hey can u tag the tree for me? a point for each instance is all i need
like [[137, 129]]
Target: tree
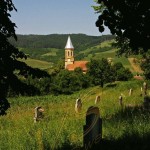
[[145, 65], [129, 20], [100, 71], [10, 67], [121, 73]]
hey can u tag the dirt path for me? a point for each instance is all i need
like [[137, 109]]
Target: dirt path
[[135, 66]]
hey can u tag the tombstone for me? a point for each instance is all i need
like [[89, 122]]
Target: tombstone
[[146, 103], [38, 113], [93, 129], [130, 92], [145, 88], [121, 100], [97, 100], [78, 105]]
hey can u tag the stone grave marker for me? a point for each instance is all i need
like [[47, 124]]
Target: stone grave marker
[[38, 113], [130, 92], [145, 88], [78, 105], [146, 103], [93, 129], [97, 99], [121, 100]]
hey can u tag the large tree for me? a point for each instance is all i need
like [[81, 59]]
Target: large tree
[[129, 20], [10, 67], [100, 71]]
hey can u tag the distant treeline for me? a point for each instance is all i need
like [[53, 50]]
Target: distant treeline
[[80, 41]]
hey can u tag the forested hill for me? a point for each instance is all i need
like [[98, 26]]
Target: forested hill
[[80, 41]]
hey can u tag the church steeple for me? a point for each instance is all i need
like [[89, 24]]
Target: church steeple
[[69, 44], [69, 56]]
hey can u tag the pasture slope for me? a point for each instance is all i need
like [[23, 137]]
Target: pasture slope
[[62, 128], [46, 58]]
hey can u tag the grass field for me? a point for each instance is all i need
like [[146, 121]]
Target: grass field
[[38, 63], [62, 128], [46, 57]]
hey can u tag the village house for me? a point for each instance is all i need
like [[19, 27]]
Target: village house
[[70, 63]]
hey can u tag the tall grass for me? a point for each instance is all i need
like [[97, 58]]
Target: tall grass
[[62, 128]]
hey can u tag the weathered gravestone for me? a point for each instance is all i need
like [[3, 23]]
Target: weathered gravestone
[[121, 100], [130, 92], [38, 113], [97, 99], [141, 91], [145, 88], [93, 129], [78, 105], [146, 103]]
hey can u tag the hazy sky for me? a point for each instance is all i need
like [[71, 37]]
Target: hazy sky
[[55, 16]]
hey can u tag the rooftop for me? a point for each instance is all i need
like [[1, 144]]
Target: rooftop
[[81, 64]]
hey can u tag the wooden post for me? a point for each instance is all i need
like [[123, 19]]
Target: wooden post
[[93, 129]]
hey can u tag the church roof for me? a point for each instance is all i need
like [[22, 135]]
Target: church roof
[[69, 44], [81, 64]]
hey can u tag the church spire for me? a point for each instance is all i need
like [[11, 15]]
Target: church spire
[[69, 44], [69, 52]]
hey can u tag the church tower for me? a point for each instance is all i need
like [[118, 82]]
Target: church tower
[[69, 52]]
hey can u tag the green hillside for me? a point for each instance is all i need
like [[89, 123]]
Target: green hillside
[[62, 128], [38, 63], [58, 41], [50, 48]]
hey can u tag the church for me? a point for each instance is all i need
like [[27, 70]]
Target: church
[[70, 63]]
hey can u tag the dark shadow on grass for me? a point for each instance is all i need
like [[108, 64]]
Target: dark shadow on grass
[[128, 141], [130, 111]]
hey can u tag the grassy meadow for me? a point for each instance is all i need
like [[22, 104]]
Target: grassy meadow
[[124, 128]]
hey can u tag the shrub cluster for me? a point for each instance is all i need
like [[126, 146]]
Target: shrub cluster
[[62, 81]]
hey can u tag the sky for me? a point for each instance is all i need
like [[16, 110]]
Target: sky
[[55, 17]]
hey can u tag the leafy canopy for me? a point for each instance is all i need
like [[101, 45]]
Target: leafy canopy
[[129, 20], [9, 64]]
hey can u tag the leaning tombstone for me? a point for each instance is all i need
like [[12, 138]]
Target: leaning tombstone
[[141, 91], [97, 99], [146, 103], [38, 113], [78, 105], [121, 100], [93, 129], [130, 92], [145, 88]]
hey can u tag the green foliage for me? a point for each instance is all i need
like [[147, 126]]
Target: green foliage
[[128, 20], [8, 53], [145, 65], [67, 82], [58, 41], [121, 73], [10, 66], [100, 71]]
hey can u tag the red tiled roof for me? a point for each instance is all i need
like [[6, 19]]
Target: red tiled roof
[[138, 77], [81, 64]]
